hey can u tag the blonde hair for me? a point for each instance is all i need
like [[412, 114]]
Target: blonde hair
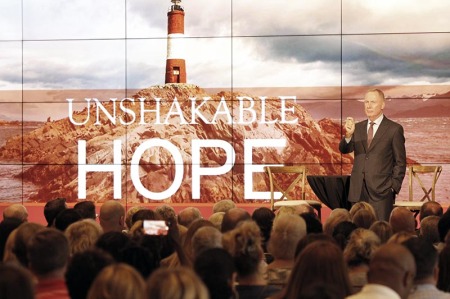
[[336, 216], [83, 234], [175, 283], [361, 246], [117, 281], [362, 205], [287, 230]]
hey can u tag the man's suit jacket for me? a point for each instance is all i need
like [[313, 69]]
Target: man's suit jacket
[[382, 165]]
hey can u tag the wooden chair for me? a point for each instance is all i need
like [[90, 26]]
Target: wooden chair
[[292, 195], [415, 173]]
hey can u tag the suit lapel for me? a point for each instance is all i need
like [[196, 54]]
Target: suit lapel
[[384, 125], [364, 134]]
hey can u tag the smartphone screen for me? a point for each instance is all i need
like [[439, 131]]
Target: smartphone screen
[[155, 227]]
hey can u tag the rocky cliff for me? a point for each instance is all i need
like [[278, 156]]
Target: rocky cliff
[[52, 149]]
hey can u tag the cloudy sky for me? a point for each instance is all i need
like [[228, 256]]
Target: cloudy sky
[[116, 44]]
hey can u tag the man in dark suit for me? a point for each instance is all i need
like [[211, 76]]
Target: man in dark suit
[[380, 157]]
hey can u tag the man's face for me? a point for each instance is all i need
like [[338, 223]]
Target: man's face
[[373, 105]]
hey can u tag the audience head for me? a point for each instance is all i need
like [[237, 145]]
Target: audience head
[[8, 253], [216, 269], [52, 208], [361, 246], [145, 214], [48, 253], [223, 205], [264, 218], [129, 215], [393, 266], [216, 219], [193, 228], [336, 216], [313, 225], [176, 283], [82, 269], [304, 208], [444, 225], [402, 219], [15, 282], [113, 243], [444, 270], [430, 208], [429, 228], [112, 216], [188, 215], [117, 281], [15, 211], [287, 231], [66, 218], [320, 262], [232, 217], [83, 235], [244, 245], [426, 258], [342, 231], [362, 205], [23, 234], [311, 238], [140, 258], [400, 237], [6, 227], [206, 237], [364, 219], [382, 229], [86, 209], [166, 212]]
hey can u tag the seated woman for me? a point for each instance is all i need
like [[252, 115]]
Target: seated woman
[[287, 231], [244, 245], [358, 253]]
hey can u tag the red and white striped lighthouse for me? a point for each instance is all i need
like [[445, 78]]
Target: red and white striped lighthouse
[[175, 64]]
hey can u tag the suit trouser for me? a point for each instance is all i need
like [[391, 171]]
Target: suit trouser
[[382, 207]]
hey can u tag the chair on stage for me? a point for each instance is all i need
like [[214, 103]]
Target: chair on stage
[[416, 174], [290, 182]]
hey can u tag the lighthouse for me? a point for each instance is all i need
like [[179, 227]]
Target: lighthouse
[[175, 64]]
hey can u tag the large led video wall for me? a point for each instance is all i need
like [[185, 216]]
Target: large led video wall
[[85, 112]]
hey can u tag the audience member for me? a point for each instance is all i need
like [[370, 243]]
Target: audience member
[[118, 281], [205, 238], [232, 217], [6, 227], [113, 243], [216, 269], [23, 234], [313, 225], [426, 258], [166, 212], [304, 208], [429, 229], [244, 245], [391, 274], [177, 283], [361, 205], [443, 282], [66, 218], [400, 237], [430, 208], [310, 238], [336, 216], [382, 229], [145, 214], [342, 233], [188, 215], [287, 231], [86, 209], [320, 262], [364, 218], [82, 269], [15, 282], [140, 258], [223, 205], [112, 216], [264, 218], [52, 208], [443, 228], [402, 219], [129, 215], [8, 254], [217, 219], [15, 211], [83, 235], [358, 253], [48, 254]]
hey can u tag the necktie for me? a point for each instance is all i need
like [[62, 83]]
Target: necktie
[[370, 134]]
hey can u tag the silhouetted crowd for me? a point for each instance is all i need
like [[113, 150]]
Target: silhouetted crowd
[[284, 254]]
